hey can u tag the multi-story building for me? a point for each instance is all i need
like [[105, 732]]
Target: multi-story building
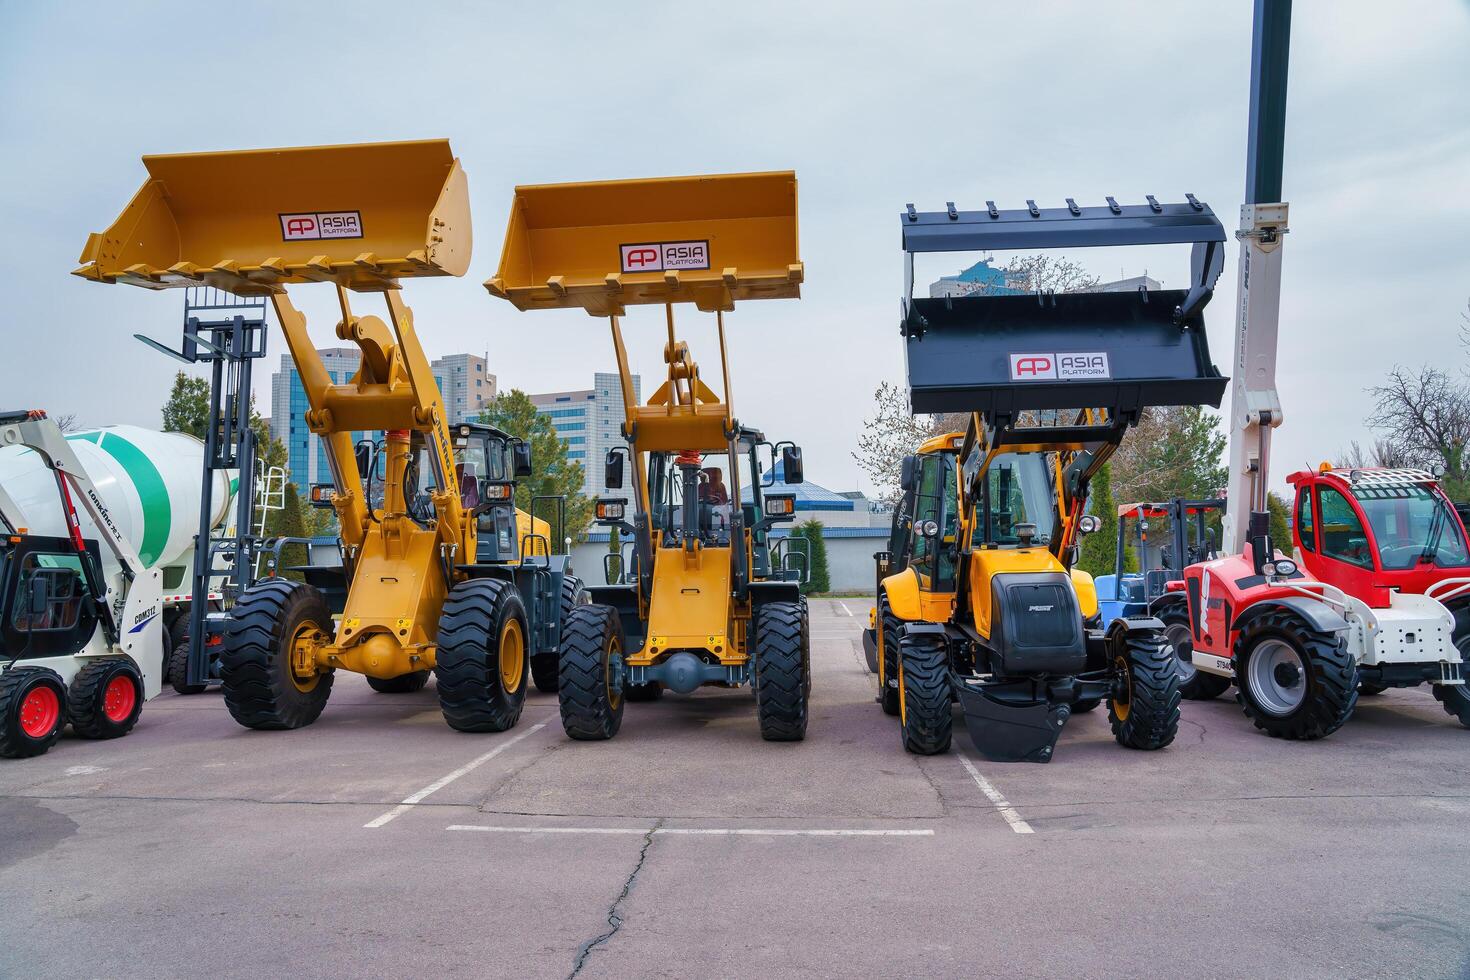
[[464, 384], [305, 454], [981, 277], [589, 423]]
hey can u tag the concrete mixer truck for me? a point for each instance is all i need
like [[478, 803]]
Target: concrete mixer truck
[[96, 548]]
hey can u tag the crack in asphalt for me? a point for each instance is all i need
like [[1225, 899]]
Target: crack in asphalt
[[1202, 729], [614, 916]]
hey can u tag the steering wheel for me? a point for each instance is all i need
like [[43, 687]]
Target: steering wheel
[[1389, 551]]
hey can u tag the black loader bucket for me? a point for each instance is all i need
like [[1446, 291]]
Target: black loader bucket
[[1004, 353]]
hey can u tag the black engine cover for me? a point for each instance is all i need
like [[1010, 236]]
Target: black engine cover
[[1036, 625]]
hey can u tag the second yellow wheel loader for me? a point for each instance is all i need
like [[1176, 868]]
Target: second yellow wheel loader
[[699, 609], [439, 569]]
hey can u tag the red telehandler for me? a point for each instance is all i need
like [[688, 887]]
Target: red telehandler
[[1385, 598]]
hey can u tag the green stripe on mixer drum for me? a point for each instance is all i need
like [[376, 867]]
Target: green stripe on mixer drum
[[152, 491]]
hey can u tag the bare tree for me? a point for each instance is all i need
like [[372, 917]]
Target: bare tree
[[1425, 416], [1049, 273], [1379, 452], [893, 433], [66, 423]]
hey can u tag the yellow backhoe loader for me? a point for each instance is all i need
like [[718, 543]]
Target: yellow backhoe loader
[[442, 573], [700, 608], [977, 597]]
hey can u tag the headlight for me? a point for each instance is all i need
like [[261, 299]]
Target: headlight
[[498, 491], [780, 505], [1281, 567], [610, 510], [1089, 523], [928, 529]]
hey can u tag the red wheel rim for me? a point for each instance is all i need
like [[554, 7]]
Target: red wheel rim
[[40, 711], [120, 698]]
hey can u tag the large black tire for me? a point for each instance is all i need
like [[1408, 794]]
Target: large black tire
[[780, 663], [806, 649], [178, 669], [105, 699], [590, 674], [481, 667], [1455, 699], [402, 684], [1144, 713], [1309, 692], [888, 632], [927, 722], [32, 711], [543, 663], [1194, 684], [260, 688]]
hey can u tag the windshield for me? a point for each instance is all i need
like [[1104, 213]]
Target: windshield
[[1412, 525], [1018, 491], [713, 512]]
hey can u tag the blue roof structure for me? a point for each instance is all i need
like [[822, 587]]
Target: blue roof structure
[[982, 274], [809, 496]]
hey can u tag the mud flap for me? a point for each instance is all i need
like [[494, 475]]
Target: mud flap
[[1012, 731], [870, 649]]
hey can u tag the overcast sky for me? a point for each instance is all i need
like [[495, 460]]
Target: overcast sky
[[873, 105]]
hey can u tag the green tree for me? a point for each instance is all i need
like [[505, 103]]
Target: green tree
[[1172, 452], [818, 579], [187, 407], [1280, 525], [293, 521], [1098, 547], [555, 474]]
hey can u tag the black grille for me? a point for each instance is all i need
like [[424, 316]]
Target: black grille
[[1044, 615]]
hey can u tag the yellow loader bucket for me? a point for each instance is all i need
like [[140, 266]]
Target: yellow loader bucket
[[249, 221], [607, 244]]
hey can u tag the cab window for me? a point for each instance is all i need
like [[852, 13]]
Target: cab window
[[1343, 536], [1305, 522]]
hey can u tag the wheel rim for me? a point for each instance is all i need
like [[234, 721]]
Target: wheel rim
[[512, 655], [1123, 699], [1183, 646], [304, 642], [40, 711], [611, 666], [1277, 677], [119, 699]]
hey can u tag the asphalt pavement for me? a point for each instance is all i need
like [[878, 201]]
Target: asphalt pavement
[[378, 842]]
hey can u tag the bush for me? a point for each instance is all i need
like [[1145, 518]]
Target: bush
[[819, 579]]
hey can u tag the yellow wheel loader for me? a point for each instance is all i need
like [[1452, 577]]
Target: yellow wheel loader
[[706, 603], [439, 571], [977, 597]]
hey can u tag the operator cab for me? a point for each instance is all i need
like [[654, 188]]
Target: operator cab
[[487, 462], [1371, 530]]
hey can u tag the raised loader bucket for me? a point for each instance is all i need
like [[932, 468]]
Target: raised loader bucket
[[250, 221], [1005, 353], [606, 245]]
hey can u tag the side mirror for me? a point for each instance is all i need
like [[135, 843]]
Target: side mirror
[[40, 595], [908, 474], [364, 453], [791, 464], [612, 470], [521, 449]]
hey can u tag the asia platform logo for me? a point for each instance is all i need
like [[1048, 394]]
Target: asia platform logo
[[664, 256], [1060, 367], [315, 225]]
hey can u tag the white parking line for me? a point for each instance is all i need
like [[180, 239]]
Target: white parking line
[[439, 784], [1001, 803], [698, 831], [844, 607]]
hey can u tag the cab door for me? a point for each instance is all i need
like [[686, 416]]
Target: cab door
[[46, 607]]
